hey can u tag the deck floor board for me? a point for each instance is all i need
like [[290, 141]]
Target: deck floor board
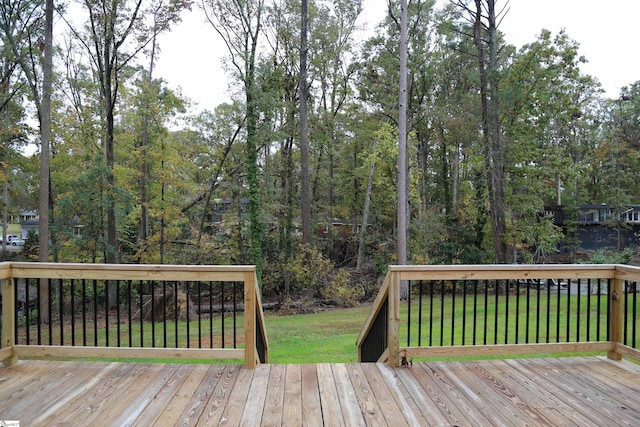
[[569, 391]]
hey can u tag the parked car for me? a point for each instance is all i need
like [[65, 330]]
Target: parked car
[[17, 242]]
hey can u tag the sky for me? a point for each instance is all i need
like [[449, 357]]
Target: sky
[[192, 53]]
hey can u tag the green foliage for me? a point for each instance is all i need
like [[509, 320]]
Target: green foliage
[[31, 245], [563, 144], [341, 291], [313, 276], [603, 256]]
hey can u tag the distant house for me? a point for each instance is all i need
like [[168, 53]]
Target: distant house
[[600, 226], [33, 224], [27, 215]]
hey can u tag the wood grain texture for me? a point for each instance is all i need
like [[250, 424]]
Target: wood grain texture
[[584, 391]]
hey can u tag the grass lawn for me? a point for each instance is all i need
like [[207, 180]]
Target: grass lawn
[[14, 228], [330, 336], [326, 337]]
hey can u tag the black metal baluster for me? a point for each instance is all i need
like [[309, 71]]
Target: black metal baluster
[[222, 313], [107, 284], [495, 322], [475, 310], [558, 314], [634, 323], [549, 283], [175, 320], [117, 312], [187, 291], [442, 292], [464, 311], [199, 315], [453, 311], [235, 316], [421, 293], [129, 309], [506, 312], [164, 314], [153, 312], [527, 311], [73, 313], [409, 315], [431, 285], [588, 309], [538, 312], [598, 310], [49, 309], [38, 300], [84, 312], [609, 291], [578, 313], [486, 311], [95, 313], [517, 325], [27, 323], [210, 314], [141, 303], [625, 315], [568, 316], [60, 303]]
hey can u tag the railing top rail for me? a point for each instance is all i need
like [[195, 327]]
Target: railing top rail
[[628, 272], [130, 271], [512, 271]]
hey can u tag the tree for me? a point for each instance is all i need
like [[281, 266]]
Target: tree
[[239, 23], [333, 30], [45, 135], [379, 80], [483, 19], [19, 22], [402, 141], [305, 198], [115, 33], [548, 110]]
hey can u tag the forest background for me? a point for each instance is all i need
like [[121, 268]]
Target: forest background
[[494, 135]]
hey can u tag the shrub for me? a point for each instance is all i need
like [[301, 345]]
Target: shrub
[[341, 292], [314, 276], [602, 256]]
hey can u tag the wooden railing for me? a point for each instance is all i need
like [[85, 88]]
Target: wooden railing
[[486, 310], [131, 311]]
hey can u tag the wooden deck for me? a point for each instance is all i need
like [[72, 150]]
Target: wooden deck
[[568, 391]]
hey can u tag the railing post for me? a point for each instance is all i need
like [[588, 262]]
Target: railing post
[[8, 320], [615, 318], [394, 319], [250, 320]]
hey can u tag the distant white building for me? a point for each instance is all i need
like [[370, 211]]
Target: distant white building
[[33, 224], [27, 215], [28, 225]]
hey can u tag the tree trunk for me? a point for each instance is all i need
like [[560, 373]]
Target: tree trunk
[[304, 131], [251, 164], [365, 214], [491, 127], [402, 142], [143, 225], [45, 141]]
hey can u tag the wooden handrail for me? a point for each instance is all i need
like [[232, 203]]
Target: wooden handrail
[[390, 291], [254, 316]]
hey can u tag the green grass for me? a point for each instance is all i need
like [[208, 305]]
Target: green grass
[[14, 229], [328, 336]]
